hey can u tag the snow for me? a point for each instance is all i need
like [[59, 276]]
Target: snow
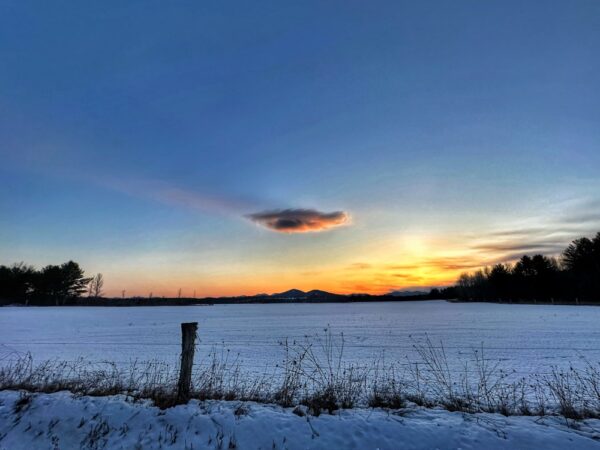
[[63, 421], [528, 338]]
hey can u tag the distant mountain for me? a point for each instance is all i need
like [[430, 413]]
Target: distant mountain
[[318, 293], [298, 294], [407, 293], [292, 293]]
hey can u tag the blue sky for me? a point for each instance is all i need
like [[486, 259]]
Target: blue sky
[[137, 138]]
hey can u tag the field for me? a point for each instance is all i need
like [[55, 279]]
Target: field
[[525, 338], [387, 375], [472, 357]]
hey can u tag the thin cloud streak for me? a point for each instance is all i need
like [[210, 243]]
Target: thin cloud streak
[[520, 247], [174, 196], [584, 218], [299, 220], [565, 221], [159, 191]]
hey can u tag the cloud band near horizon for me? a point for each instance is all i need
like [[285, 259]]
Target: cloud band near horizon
[[299, 220]]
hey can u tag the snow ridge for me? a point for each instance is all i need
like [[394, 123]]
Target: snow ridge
[[64, 421]]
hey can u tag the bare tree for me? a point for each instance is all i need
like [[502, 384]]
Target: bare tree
[[96, 285], [179, 293]]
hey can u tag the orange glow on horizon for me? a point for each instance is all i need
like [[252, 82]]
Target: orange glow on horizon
[[410, 261], [419, 266]]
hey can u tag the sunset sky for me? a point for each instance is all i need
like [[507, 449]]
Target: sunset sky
[[242, 147]]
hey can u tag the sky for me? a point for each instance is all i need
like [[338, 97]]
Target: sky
[[246, 147]]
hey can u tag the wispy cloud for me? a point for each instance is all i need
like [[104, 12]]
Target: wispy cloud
[[299, 220], [547, 235], [550, 246], [517, 232], [197, 201], [592, 217], [450, 263], [193, 200], [281, 220]]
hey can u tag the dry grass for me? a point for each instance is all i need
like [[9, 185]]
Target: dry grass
[[314, 373]]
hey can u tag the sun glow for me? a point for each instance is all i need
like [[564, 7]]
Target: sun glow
[[408, 262]]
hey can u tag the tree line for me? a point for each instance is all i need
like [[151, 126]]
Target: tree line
[[573, 277], [51, 285]]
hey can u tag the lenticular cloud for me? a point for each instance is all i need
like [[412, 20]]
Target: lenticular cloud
[[299, 220]]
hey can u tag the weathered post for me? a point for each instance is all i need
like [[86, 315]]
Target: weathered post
[[188, 339]]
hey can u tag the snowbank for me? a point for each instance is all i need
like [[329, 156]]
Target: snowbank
[[63, 421]]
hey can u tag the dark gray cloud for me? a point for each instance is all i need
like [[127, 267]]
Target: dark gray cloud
[[299, 220]]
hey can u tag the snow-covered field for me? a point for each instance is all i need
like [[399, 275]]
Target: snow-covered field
[[62, 421], [526, 338], [529, 339]]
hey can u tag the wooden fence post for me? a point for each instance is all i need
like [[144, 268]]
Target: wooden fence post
[[188, 339]]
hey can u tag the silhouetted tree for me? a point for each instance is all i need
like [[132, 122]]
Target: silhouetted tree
[[60, 284], [21, 283], [96, 285], [500, 281], [582, 261], [449, 292], [579, 255], [16, 282], [539, 277]]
